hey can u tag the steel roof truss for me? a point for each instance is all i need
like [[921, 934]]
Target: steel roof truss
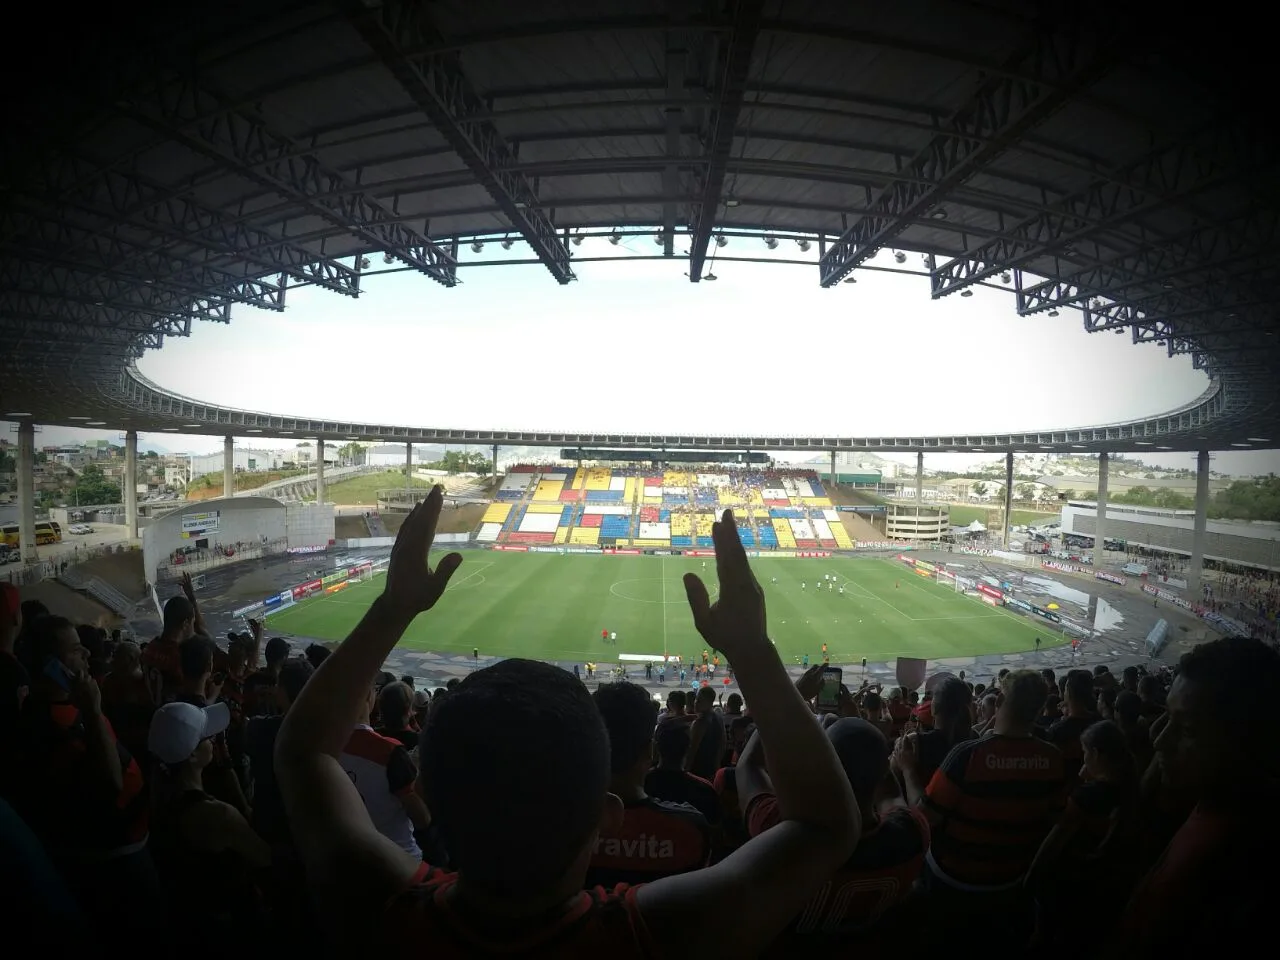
[[393, 29]]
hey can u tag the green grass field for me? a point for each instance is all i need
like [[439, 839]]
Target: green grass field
[[363, 490], [552, 607]]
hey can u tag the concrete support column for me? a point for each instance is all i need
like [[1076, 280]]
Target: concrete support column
[[1196, 573], [1008, 496], [1100, 524], [833, 468], [408, 465], [27, 492], [320, 470], [919, 478], [131, 483], [228, 465], [495, 461]]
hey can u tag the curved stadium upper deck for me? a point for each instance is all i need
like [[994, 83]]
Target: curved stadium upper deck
[[1090, 166]]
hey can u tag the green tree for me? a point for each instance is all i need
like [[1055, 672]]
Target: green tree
[[455, 461], [980, 489], [93, 487], [1025, 491]]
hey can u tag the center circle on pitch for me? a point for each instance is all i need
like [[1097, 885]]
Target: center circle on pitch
[[652, 589]]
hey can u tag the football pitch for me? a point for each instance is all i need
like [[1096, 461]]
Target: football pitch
[[553, 607]]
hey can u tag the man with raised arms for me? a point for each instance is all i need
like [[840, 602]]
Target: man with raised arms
[[516, 772]]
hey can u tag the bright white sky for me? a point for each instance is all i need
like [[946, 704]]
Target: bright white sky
[[636, 347]]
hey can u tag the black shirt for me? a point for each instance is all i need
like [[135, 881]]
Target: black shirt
[[677, 786], [268, 807], [403, 736]]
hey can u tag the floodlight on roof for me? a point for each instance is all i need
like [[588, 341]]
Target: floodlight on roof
[[899, 256], [771, 242], [1053, 313], [721, 240], [657, 239], [803, 244], [576, 239], [506, 243], [364, 263], [966, 292], [1005, 277], [615, 238], [388, 258], [477, 245]]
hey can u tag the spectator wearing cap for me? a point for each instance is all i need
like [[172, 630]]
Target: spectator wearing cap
[[82, 792], [260, 743], [205, 849], [200, 687], [879, 874], [316, 654], [395, 708], [670, 781], [259, 688], [15, 683]]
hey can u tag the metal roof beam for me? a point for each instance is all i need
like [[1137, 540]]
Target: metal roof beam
[[730, 93], [1002, 109], [1206, 248], [393, 29], [196, 117], [116, 195], [124, 317], [1158, 178]]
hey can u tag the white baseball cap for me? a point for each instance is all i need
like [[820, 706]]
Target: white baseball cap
[[177, 729]]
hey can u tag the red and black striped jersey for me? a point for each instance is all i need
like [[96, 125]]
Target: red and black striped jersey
[[657, 839], [992, 803]]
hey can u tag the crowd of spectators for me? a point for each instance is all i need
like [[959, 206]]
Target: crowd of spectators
[[1251, 597], [191, 798]]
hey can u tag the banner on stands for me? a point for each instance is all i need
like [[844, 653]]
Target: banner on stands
[[699, 553], [333, 578], [995, 595], [1171, 582], [511, 548], [988, 599], [845, 508], [1168, 597], [964, 583], [946, 575], [296, 551], [926, 565], [1017, 604], [621, 551], [246, 611], [304, 589], [271, 602], [813, 553], [1109, 577], [1047, 614]]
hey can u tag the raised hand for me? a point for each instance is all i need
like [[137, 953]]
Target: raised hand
[[810, 681], [188, 590], [412, 586], [735, 623]]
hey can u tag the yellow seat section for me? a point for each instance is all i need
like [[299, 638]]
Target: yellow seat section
[[681, 525], [579, 478], [496, 513], [545, 507], [675, 478], [562, 534], [585, 535], [757, 498], [629, 491], [702, 523], [548, 490], [598, 478], [816, 501], [652, 501], [841, 535], [651, 543], [785, 538]]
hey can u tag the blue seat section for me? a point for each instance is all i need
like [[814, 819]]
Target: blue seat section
[[747, 536], [768, 537], [786, 513], [510, 494], [566, 515], [605, 496], [664, 516], [615, 527], [682, 541], [704, 542], [705, 497], [513, 521]]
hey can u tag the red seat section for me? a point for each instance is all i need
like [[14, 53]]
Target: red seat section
[[806, 544], [570, 496], [518, 537], [777, 503], [828, 544], [649, 514], [590, 520]]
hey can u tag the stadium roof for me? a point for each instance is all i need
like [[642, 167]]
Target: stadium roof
[[177, 163]]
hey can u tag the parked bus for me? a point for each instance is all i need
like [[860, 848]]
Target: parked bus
[[47, 532]]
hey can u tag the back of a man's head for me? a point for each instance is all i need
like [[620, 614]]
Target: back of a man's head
[[672, 741], [516, 766], [1237, 680], [951, 702], [675, 701], [1078, 689], [863, 752], [195, 656], [628, 714], [1024, 695], [177, 611], [706, 699], [294, 675], [395, 701]]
